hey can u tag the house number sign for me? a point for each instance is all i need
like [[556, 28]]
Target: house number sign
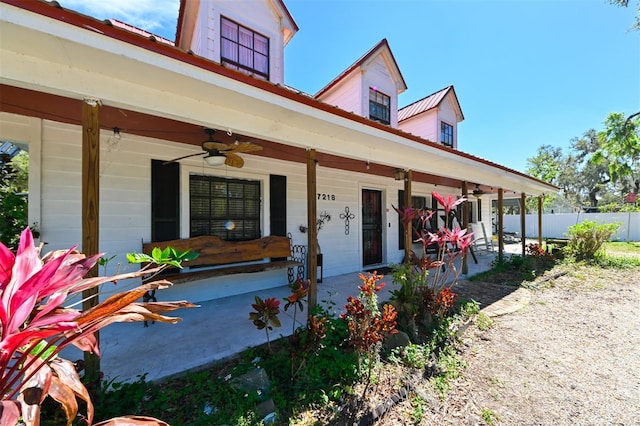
[[326, 197]]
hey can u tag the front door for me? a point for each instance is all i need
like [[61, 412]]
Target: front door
[[371, 227]]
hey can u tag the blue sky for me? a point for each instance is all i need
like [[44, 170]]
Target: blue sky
[[527, 73]]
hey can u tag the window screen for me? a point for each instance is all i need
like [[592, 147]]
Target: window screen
[[226, 208]]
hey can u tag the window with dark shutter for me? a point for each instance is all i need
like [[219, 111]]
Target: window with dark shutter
[[278, 205]]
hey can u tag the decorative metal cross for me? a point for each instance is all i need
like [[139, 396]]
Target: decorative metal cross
[[347, 216]]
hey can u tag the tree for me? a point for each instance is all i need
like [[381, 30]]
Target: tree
[[583, 180], [625, 3], [620, 150], [592, 178], [546, 166], [13, 201]]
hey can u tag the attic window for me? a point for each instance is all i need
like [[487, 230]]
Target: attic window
[[446, 134], [379, 106], [243, 49]]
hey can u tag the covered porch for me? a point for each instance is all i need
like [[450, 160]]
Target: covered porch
[[163, 350]]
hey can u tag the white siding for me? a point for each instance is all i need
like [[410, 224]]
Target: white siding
[[348, 95], [425, 125]]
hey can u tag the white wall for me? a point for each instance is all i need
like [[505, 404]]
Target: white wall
[[423, 125], [556, 225], [347, 95]]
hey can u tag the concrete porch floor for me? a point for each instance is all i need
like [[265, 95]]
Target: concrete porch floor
[[219, 329]]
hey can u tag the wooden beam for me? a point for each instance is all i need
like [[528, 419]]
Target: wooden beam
[[523, 220], [500, 225], [465, 223], [312, 241], [408, 232], [540, 220], [91, 213]]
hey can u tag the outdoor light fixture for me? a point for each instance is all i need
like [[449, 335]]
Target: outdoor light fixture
[[399, 174], [215, 160], [116, 133]]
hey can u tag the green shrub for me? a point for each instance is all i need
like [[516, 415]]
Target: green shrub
[[587, 238]]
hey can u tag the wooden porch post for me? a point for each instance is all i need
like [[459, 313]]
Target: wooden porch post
[[523, 219], [408, 232], [540, 220], [312, 241], [91, 212], [500, 225], [465, 223]]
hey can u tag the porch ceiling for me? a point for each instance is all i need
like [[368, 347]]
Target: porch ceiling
[[86, 58]]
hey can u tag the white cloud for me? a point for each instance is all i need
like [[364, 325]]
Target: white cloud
[[156, 16]]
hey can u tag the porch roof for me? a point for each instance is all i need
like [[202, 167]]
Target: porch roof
[[58, 52]]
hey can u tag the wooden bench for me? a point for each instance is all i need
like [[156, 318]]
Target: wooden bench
[[217, 257]]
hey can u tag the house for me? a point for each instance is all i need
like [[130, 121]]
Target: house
[[104, 109]]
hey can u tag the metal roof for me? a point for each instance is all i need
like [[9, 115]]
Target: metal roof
[[426, 103]]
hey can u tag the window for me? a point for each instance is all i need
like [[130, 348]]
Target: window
[[226, 208], [446, 134], [243, 49], [379, 106]]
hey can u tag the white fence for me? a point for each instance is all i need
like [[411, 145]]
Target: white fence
[[556, 225]]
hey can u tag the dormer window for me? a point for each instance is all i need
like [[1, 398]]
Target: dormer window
[[379, 106], [446, 134], [243, 49]]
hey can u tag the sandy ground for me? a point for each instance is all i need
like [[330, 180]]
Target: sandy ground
[[569, 357]]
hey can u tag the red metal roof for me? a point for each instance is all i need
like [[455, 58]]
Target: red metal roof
[[426, 103]]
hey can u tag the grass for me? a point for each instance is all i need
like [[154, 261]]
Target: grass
[[489, 416], [483, 321], [622, 247]]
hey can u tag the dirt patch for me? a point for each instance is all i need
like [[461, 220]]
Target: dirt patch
[[570, 357]]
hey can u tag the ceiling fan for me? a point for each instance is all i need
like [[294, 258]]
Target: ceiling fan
[[477, 192], [219, 153]]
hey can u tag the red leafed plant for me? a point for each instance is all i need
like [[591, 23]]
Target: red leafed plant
[[35, 326], [366, 324], [451, 243], [266, 315], [428, 279]]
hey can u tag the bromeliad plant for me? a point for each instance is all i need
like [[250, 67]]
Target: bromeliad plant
[[35, 325]]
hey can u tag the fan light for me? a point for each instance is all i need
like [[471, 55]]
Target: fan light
[[215, 160]]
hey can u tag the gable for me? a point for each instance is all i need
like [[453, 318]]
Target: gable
[[200, 30], [191, 10], [380, 50]]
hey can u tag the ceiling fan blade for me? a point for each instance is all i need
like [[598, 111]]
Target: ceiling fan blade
[[245, 147], [215, 146], [233, 160], [183, 157]]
